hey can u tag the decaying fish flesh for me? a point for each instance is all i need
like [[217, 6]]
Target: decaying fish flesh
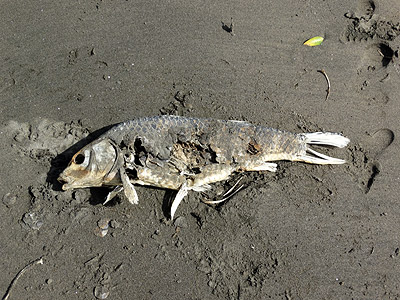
[[185, 154]]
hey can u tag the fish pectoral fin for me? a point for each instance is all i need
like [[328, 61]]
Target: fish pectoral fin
[[182, 192], [129, 189], [113, 193]]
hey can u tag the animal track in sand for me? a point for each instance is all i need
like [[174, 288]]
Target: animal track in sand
[[372, 25], [367, 25], [375, 73], [365, 166]]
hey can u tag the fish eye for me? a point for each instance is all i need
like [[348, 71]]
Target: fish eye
[[80, 158]]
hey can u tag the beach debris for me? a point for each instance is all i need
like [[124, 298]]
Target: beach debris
[[20, 273], [102, 227], [101, 292], [100, 232], [103, 223], [187, 154], [315, 41], [328, 90], [32, 220]]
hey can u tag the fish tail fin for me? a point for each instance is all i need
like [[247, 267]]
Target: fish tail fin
[[324, 139]]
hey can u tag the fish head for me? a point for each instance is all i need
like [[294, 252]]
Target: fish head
[[93, 165]]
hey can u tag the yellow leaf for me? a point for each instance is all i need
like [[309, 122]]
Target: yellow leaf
[[315, 41]]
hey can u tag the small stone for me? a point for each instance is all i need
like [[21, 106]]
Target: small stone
[[103, 223], [49, 281], [114, 224], [101, 292], [9, 199], [32, 221], [100, 232]]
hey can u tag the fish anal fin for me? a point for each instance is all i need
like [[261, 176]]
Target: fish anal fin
[[182, 192]]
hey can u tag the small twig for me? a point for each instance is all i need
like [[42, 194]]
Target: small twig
[[380, 52], [383, 55], [20, 273], [328, 90]]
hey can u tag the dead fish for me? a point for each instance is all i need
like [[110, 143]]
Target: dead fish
[[185, 154]]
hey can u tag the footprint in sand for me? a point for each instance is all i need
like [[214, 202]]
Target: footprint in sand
[[366, 7], [379, 141], [365, 165]]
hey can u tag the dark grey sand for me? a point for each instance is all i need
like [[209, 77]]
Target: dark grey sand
[[306, 232]]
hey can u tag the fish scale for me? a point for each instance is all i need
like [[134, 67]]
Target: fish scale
[[230, 139]]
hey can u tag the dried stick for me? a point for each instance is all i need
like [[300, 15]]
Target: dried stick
[[328, 90], [20, 273]]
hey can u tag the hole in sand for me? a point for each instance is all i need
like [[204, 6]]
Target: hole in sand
[[387, 54]]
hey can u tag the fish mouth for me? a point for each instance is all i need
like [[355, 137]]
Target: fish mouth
[[66, 187], [66, 184], [69, 183]]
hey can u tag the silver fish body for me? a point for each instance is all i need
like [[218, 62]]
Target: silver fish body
[[184, 154]]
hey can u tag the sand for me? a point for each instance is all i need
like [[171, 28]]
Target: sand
[[306, 232]]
